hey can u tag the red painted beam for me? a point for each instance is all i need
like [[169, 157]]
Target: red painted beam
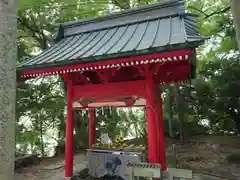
[[126, 106], [69, 148], [107, 99], [80, 78], [92, 126], [66, 78], [110, 89], [104, 76], [151, 119], [174, 74], [53, 70], [129, 102]]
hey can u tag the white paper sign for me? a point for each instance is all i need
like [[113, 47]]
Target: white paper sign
[[105, 139]]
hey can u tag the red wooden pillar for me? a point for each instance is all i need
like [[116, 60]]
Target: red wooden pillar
[[160, 131], [151, 119], [69, 147], [92, 126]]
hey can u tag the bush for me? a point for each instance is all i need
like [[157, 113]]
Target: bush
[[190, 128], [175, 125], [193, 129], [234, 158]]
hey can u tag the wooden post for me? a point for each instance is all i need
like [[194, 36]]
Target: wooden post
[[160, 131], [69, 151], [92, 126], [151, 119], [170, 111]]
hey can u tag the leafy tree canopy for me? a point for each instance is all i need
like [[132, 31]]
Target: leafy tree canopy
[[212, 96]]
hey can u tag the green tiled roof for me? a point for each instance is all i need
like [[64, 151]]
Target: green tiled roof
[[151, 28]]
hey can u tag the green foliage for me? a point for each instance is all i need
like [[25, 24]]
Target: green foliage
[[192, 128], [175, 127], [213, 95], [223, 76], [234, 158]]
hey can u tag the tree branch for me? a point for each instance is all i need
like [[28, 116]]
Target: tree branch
[[121, 5], [218, 12], [35, 31], [196, 9], [211, 14]]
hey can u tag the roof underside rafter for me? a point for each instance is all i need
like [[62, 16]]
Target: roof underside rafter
[[158, 58], [144, 33]]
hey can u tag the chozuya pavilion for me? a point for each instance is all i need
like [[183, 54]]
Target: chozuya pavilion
[[121, 60]]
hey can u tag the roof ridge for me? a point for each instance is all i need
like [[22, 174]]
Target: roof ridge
[[181, 15], [135, 10]]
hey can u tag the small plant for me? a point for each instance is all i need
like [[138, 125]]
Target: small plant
[[234, 158]]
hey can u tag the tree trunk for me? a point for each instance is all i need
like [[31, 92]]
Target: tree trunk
[[180, 108], [41, 136], [8, 22], [235, 6], [136, 129]]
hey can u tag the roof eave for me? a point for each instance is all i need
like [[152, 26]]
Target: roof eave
[[114, 56]]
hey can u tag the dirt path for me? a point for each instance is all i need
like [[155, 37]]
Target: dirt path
[[209, 154], [202, 153], [50, 169]]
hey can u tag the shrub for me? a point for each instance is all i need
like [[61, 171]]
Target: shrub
[[193, 129], [234, 158], [175, 125], [190, 128]]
